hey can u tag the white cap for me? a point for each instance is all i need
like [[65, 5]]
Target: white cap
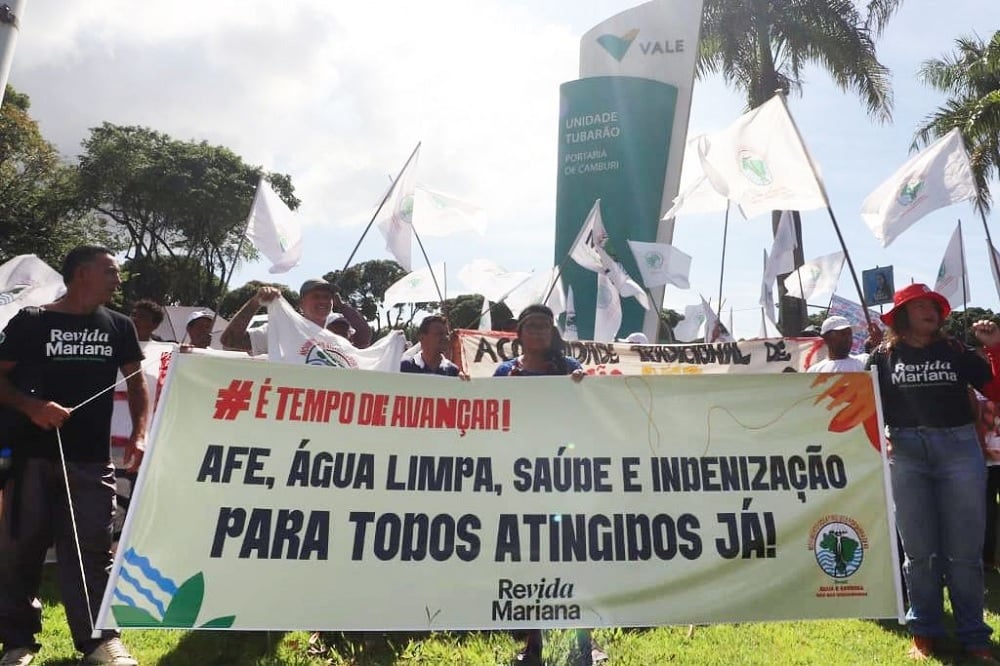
[[336, 316], [199, 314], [637, 338], [834, 323]]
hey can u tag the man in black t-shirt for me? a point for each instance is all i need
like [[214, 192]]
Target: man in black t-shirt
[[56, 364]]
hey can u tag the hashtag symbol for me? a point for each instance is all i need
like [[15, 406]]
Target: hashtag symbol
[[233, 399]]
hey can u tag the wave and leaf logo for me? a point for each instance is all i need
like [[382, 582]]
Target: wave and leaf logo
[[839, 546], [617, 46], [8, 296], [151, 600], [908, 192]]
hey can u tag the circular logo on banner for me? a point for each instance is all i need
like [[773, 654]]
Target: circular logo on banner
[[839, 546], [754, 168], [406, 209], [328, 356]]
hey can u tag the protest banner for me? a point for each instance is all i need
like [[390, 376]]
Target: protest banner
[[277, 496], [481, 351]]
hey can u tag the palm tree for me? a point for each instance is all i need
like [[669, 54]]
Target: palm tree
[[971, 76], [762, 46]]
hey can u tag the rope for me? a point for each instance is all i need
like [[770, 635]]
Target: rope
[[69, 497]]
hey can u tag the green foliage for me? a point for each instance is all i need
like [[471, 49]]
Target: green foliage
[[668, 320], [364, 285], [959, 323], [465, 311], [971, 78], [39, 204], [234, 299], [760, 47], [182, 201]]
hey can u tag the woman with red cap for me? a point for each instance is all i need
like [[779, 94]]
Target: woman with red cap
[[936, 463]]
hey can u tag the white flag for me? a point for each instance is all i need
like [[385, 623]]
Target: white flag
[[482, 276], [660, 263], [937, 176], [569, 329], [696, 194], [693, 324], [291, 338], [713, 332], [395, 220], [760, 164], [608, 313], [953, 276], [782, 257], [591, 236], [588, 251], [274, 230], [486, 318], [539, 289], [768, 325], [27, 280], [624, 284], [439, 214], [818, 277], [416, 287]]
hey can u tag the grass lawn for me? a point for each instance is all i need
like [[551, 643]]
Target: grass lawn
[[779, 643]]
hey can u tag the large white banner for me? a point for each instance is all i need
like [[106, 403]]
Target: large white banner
[[481, 351], [277, 496]]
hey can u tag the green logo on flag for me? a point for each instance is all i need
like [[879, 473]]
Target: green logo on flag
[[616, 46], [754, 168], [908, 193], [653, 260], [406, 209]]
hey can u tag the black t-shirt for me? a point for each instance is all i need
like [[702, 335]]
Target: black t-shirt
[[928, 386], [68, 358]]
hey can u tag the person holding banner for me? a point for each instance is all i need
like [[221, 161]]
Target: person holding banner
[[434, 340], [57, 366], [936, 464], [541, 354], [317, 299]]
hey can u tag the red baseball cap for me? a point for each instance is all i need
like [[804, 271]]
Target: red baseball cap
[[910, 293]]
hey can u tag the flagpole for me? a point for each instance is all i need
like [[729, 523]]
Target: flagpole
[[239, 251], [993, 256], [961, 252], [725, 235], [487, 307], [428, 262], [833, 218], [379, 209]]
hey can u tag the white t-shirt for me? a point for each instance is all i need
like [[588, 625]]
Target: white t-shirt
[[850, 364], [258, 340]]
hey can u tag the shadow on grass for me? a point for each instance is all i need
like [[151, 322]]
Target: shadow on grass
[[235, 648]]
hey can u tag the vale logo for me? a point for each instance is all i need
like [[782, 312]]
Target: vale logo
[[617, 46]]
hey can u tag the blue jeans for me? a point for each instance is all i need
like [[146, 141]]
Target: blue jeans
[[939, 488]]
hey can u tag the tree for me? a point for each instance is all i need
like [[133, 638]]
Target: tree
[[364, 285], [761, 46], [971, 77], [959, 323], [39, 211], [465, 311], [176, 203], [234, 300]]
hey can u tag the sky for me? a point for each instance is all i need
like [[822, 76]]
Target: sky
[[337, 94]]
